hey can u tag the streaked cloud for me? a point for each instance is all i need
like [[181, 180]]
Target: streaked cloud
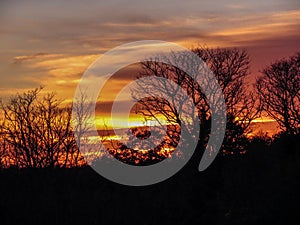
[[52, 43]]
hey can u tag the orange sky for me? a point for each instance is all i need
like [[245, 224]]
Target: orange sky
[[51, 43]]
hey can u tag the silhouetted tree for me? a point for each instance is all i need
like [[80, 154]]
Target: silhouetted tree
[[230, 67], [82, 109], [37, 131], [81, 120], [54, 133], [279, 90]]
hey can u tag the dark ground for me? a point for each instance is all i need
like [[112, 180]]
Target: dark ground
[[261, 187]]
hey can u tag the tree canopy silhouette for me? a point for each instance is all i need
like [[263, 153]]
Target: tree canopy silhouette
[[37, 131], [230, 67], [279, 91]]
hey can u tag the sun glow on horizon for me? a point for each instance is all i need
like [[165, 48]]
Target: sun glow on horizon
[[105, 122]]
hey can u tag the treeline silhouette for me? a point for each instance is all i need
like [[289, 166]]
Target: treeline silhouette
[[260, 187], [254, 180]]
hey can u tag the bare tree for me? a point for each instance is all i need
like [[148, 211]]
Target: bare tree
[[54, 133], [230, 67], [279, 90], [38, 131], [82, 109], [18, 128]]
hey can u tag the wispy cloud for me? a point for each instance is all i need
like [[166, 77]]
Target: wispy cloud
[[52, 42], [40, 56]]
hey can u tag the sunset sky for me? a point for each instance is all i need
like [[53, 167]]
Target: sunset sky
[[51, 43]]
